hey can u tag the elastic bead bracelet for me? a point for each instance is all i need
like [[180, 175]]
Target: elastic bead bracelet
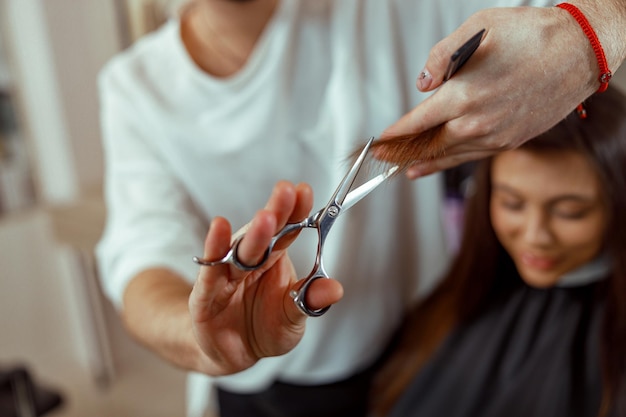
[[605, 73]]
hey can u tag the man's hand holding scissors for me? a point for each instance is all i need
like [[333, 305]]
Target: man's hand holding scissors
[[241, 316]]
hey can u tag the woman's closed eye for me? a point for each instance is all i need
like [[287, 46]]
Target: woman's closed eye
[[509, 202], [571, 210]]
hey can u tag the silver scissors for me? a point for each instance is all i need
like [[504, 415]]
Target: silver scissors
[[322, 220]]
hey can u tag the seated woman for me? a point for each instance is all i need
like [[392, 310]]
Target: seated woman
[[531, 318]]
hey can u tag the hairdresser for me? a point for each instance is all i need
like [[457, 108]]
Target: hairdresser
[[204, 116]]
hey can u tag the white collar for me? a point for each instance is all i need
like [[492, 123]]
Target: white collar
[[594, 270]]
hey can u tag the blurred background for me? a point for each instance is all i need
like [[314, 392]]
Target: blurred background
[[55, 325], [57, 332]]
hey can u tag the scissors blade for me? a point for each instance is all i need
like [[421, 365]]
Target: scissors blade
[[360, 192], [343, 189]]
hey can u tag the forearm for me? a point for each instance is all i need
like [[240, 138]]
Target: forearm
[[156, 314]]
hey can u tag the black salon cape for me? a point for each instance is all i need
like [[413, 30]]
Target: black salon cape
[[532, 353]]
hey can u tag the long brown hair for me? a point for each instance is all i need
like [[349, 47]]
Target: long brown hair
[[480, 268]]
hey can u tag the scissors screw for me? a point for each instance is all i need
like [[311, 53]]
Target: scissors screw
[[333, 211]]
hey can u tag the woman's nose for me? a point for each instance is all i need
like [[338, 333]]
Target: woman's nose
[[537, 229]]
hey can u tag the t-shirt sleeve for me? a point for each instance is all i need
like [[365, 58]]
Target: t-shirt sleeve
[[151, 220]]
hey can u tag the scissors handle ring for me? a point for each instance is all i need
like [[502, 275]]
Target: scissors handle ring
[[299, 296], [231, 257]]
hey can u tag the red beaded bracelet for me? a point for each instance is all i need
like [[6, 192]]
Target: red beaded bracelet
[[605, 73]]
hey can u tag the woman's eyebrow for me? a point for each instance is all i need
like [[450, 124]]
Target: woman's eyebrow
[[581, 198], [577, 197], [503, 187]]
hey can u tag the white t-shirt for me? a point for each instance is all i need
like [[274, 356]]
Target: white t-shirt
[[182, 146]]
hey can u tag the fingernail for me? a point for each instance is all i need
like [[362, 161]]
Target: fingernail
[[413, 173], [424, 80]]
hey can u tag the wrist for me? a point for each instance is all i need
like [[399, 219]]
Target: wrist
[[579, 54], [608, 19], [605, 73]]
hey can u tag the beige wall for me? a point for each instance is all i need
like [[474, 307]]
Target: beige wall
[[56, 49]]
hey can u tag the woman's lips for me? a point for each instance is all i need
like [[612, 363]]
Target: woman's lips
[[538, 262]]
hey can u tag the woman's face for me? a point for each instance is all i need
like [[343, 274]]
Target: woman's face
[[547, 211]]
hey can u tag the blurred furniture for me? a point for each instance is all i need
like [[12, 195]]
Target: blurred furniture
[[21, 397], [76, 228]]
